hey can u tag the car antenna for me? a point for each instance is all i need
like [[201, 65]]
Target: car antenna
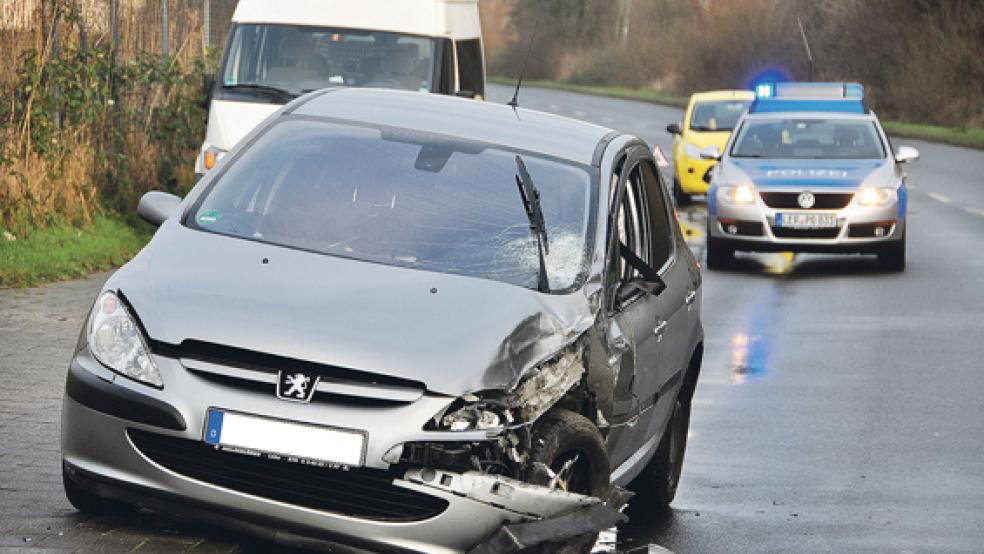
[[529, 50]]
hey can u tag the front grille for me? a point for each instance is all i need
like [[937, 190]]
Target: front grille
[[362, 493], [787, 233], [824, 200]]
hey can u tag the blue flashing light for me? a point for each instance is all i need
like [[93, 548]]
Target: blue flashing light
[[765, 90]]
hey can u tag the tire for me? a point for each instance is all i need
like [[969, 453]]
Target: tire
[[892, 257], [682, 198], [89, 503], [656, 486], [557, 436], [719, 256]]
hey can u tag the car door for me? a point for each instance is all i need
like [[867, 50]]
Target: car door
[[638, 319]]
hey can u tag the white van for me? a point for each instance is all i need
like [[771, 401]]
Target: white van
[[276, 51]]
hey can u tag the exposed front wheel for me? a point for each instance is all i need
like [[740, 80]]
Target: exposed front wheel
[[656, 486], [892, 256], [89, 503], [574, 450], [719, 256]]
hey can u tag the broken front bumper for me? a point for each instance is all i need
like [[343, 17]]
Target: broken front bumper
[[160, 462]]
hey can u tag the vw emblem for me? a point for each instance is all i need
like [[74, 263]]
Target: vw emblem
[[296, 386], [806, 200]]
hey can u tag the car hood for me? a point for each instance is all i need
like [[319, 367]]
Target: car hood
[[810, 173], [455, 334], [703, 139]]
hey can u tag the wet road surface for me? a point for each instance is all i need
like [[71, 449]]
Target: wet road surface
[[839, 408]]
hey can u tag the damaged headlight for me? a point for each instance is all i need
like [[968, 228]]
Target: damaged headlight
[[470, 413], [539, 390], [115, 341]]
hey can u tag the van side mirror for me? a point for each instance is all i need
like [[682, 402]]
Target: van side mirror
[[156, 207], [674, 129], [208, 85], [711, 153], [906, 154]]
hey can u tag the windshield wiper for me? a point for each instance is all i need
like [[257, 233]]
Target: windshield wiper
[[276, 91], [531, 202]]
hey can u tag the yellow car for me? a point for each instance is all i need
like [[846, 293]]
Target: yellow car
[[708, 121]]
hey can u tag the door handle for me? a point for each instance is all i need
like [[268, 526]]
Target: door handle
[[660, 327], [690, 297]]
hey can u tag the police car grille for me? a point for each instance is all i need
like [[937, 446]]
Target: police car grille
[[362, 493], [824, 200]]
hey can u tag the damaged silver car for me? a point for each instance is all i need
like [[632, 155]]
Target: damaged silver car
[[395, 322]]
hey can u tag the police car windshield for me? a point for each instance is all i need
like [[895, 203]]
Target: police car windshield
[[717, 116], [809, 139]]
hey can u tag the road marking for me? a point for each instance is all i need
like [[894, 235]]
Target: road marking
[[976, 211], [938, 197]]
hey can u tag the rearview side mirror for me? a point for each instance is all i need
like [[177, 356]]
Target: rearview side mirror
[[208, 85], [674, 129], [710, 153], [156, 207], [906, 154], [647, 286]]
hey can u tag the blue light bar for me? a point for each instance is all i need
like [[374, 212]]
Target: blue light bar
[[808, 97]]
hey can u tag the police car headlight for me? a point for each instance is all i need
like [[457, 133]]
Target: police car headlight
[[115, 341], [691, 150], [876, 196], [741, 194]]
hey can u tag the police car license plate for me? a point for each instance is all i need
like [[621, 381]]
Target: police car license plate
[[294, 441], [806, 220]]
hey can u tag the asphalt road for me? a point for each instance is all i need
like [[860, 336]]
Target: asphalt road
[[839, 408]]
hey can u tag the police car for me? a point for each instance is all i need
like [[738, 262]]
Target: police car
[[808, 169]]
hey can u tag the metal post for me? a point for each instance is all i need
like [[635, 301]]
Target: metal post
[[164, 28], [207, 26]]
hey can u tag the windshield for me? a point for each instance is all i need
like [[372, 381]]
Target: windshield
[[717, 116], [402, 198], [808, 138], [299, 59]]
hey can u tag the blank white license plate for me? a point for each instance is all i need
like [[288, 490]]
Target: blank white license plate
[[806, 220], [284, 438]]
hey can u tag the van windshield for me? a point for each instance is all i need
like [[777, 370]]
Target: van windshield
[[289, 60], [404, 198]]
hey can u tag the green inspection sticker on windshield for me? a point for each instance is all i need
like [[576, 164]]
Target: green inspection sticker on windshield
[[209, 217]]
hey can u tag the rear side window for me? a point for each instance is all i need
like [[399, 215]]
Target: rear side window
[[470, 66]]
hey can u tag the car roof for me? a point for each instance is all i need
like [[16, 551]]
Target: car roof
[[468, 119], [722, 95], [869, 116]]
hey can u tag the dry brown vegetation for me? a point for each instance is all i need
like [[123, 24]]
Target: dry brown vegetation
[[86, 126], [921, 60]]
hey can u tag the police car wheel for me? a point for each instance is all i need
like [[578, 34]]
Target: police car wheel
[[89, 503], [892, 256], [719, 256], [682, 198]]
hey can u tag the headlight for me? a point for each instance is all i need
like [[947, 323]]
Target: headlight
[[691, 150], [212, 156], [741, 194], [874, 196], [470, 413], [114, 340]]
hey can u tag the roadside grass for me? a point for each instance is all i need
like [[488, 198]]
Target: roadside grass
[[968, 137], [63, 252]]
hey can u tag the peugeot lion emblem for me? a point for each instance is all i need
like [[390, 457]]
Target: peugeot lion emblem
[[806, 200], [296, 386]]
